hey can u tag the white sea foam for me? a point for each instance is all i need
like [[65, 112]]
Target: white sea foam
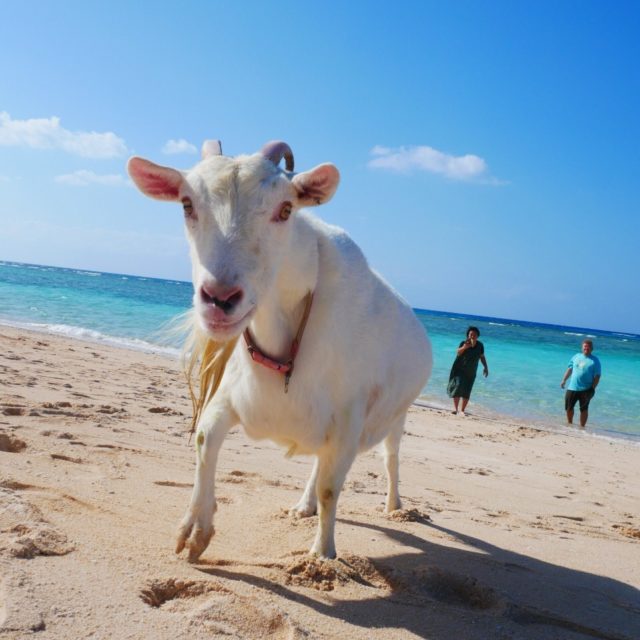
[[89, 335], [429, 403]]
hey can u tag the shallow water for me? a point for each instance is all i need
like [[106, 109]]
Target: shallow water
[[526, 364], [526, 360]]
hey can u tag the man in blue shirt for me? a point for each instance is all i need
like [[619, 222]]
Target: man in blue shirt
[[584, 370]]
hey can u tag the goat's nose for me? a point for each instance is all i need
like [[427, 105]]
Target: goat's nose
[[223, 298]]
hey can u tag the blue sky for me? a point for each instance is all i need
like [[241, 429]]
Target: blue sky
[[489, 151]]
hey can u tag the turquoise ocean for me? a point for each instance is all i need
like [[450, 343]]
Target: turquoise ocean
[[526, 359]]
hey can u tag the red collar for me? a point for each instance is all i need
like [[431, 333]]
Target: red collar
[[259, 356]]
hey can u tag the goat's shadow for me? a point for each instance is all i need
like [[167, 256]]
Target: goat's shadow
[[480, 591]]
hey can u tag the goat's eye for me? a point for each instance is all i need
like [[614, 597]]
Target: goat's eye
[[187, 205], [285, 211]]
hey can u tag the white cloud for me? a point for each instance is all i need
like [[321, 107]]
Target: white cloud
[[46, 133], [423, 158], [83, 178], [173, 147]]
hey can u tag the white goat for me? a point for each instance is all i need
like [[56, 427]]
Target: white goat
[[286, 280]]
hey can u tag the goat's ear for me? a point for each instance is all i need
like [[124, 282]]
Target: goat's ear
[[162, 183], [316, 186]]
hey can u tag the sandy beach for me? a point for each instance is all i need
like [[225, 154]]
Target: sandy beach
[[507, 531]]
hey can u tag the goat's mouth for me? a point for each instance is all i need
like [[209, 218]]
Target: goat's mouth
[[222, 327]]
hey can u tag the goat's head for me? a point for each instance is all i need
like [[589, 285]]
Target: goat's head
[[238, 217]]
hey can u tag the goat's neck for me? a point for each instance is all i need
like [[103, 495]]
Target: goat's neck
[[279, 314]]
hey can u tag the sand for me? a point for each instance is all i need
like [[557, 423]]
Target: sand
[[507, 531]]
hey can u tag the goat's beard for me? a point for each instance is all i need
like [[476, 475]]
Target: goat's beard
[[205, 361]]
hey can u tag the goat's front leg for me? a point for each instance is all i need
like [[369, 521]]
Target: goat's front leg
[[196, 529]]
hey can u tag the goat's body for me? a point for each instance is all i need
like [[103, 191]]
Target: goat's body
[[363, 358], [363, 349]]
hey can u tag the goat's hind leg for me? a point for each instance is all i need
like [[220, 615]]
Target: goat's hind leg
[[391, 446], [308, 503], [333, 467], [334, 462], [196, 529]]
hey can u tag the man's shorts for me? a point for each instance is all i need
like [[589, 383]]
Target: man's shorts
[[584, 397]]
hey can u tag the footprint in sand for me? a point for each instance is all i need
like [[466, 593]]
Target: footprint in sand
[[64, 435], [480, 471], [408, 515], [60, 456], [573, 518], [210, 605], [433, 583], [14, 410], [282, 484], [20, 612], [24, 533], [238, 477], [171, 483], [63, 408], [542, 523], [159, 592], [496, 514], [627, 531], [10, 443], [105, 408], [327, 575], [8, 483], [166, 411]]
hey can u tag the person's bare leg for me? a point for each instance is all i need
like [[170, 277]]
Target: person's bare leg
[[456, 400], [584, 415], [465, 402], [569, 416]]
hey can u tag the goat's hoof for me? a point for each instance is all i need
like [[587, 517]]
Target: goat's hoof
[[392, 506], [323, 554], [195, 538], [303, 511], [198, 541]]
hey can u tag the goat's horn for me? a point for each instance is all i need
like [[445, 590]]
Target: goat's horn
[[276, 150], [211, 148]]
